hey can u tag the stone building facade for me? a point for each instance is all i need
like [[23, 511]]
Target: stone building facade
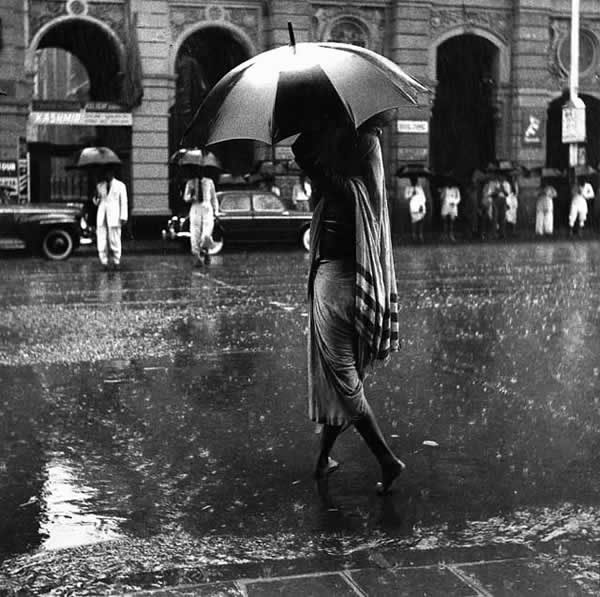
[[497, 70]]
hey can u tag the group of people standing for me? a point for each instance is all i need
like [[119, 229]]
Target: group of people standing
[[492, 206]]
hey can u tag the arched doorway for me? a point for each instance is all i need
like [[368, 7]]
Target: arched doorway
[[464, 116], [203, 57], [463, 122], [557, 152], [75, 61]]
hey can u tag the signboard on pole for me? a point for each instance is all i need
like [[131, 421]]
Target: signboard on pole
[[573, 122]]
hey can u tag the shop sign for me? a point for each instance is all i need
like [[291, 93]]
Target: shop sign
[[82, 118], [573, 122], [9, 175], [412, 126], [533, 128]]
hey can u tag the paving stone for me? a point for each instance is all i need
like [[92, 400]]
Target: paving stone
[[326, 585], [520, 578], [418, 582]]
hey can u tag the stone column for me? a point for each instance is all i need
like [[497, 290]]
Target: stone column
[[150, 131]]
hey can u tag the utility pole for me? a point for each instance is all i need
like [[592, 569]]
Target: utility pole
[[573, 122]]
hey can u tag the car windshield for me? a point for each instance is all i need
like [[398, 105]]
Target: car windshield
[[267, 203], [235, 203]]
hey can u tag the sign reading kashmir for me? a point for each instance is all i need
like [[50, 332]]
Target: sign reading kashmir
[[69, 113]]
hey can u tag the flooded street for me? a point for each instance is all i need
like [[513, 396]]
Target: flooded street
[[162, 400]]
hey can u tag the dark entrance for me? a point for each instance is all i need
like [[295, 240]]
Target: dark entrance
[[204, 57], [463, 122], [557, 154]]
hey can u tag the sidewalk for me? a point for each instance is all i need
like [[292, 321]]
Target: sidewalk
[[510, 571]]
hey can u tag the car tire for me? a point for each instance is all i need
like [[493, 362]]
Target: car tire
[[305, 238], [57, 244]]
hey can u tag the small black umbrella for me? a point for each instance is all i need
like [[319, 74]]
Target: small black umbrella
[[97, 156], [412, 170], [544, 172]]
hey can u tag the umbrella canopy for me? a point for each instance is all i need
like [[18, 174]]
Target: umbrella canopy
[[97, 156], [505, 167], [195, 157], [544, 172], [584, 170], [410, 170], [275, 94], [197, 162]]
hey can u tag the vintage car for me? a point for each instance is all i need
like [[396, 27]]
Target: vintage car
[[249, 216], [53, 229]]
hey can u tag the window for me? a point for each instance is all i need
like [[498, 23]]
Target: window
[[235, 203], [267, 203]]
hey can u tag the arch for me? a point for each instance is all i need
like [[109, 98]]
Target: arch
[[353, 21], [59, 21], [503, 50], [238, 35]]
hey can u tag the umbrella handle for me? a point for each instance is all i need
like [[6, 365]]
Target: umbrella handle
[[292, 36]]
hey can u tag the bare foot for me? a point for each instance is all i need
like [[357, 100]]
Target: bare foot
[[323, 470], [389, 473]]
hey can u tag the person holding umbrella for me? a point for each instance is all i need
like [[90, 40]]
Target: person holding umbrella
[[352, 285], [201, 193], [111, 200], [450, 196], [316, 91]]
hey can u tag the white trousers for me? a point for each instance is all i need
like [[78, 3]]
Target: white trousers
[[108, 240]]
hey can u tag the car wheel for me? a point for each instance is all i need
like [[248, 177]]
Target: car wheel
[[57, 244], [306, 239]]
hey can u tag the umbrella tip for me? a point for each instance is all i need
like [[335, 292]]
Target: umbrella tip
[[292, 36]]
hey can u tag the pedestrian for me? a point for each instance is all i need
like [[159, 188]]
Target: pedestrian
[[202, 195], [417, 206], [512, 206], [110, 198], [544, 210], [301, 193], [578, 210], [450, 199], [353, 308], [489, 215]]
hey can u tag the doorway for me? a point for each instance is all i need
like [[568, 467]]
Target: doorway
[[203, 58]]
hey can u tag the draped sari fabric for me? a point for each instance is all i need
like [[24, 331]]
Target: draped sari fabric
[[353, 308]]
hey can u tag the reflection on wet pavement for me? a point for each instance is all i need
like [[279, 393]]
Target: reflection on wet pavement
[[160, 399]]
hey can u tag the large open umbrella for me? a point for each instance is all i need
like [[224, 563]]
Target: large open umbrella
[[275, 94], [97, 156]]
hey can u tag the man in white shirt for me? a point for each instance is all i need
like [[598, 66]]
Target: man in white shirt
[[301, 193], [111, 200], [417, 205]]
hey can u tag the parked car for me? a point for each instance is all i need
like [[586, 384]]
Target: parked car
[[53, 229], [249, 216]]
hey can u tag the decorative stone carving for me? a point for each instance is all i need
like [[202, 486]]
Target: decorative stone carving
[[246, 18], [361, 26], [44, 11], [559, 51], [496, 22]]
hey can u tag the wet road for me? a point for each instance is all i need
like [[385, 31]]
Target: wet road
[[162, 399]]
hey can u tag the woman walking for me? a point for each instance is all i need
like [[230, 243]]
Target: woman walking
[[353, 303]]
